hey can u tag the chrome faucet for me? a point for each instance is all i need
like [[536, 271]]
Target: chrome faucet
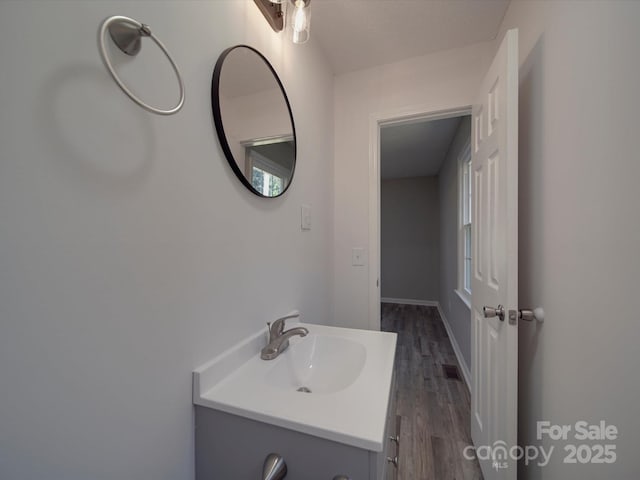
[[279, 338]]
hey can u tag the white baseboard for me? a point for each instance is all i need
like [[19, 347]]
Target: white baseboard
[[409, 301], [456, 349]]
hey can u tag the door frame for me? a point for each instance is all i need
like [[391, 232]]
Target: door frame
[[403, 116]]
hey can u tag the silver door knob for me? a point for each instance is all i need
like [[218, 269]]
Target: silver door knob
[[490, 312]]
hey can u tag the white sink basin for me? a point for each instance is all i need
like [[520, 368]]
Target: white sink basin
[[318, 364], [348, 372]]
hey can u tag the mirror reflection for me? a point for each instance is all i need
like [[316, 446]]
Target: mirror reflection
[[253, 120]]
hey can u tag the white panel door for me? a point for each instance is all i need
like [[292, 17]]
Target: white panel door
[[494, 344]]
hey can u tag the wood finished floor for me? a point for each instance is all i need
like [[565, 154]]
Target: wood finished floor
[[435, 411]]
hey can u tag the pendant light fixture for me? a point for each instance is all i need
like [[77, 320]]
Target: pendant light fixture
[[300, 21]]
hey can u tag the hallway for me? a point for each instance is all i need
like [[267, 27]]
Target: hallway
[[434, 410]]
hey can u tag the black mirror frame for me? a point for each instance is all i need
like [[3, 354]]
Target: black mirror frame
[[217, 118]]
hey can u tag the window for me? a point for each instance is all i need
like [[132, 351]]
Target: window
[[466, 225], [269, 164], [265, 179], [466, 199]]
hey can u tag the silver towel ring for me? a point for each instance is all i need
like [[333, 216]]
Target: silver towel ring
[[126, 33]]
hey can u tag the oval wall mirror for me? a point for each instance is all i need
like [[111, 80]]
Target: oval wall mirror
[[253, 120]]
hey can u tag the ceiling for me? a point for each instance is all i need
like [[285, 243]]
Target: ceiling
[[357, 34], [415, 149]]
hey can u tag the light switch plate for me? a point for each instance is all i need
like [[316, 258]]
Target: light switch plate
[[305, 217], [357, 257]]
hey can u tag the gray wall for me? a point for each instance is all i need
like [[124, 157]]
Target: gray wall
[[128, 252], [455, 310], [410, 237], [579, 227]]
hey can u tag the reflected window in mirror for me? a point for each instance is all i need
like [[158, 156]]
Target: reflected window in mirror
[[269, 163]]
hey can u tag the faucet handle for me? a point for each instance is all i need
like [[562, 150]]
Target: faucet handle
[[271, 332], [279, 323], [278, 326]]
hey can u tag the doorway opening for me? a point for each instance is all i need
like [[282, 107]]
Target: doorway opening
[[423, 239], [421, 230], [390, 122]]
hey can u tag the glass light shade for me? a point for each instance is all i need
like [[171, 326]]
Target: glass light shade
[[300, 21]]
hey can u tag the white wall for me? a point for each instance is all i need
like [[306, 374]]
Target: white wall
[[129, 252], [433, 82], [579, 225], [457, 312], [410, 238]]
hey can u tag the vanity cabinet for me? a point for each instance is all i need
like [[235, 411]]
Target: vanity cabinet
[[326, 405], [230, 446]]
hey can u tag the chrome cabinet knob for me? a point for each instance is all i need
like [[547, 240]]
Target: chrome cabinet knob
[[395, 439], [274, 467], [393, 460]]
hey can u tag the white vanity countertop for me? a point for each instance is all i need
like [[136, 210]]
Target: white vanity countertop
[[236, 382]]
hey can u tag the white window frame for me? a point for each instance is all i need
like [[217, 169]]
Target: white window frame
[[254, 159], [465, 200]]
